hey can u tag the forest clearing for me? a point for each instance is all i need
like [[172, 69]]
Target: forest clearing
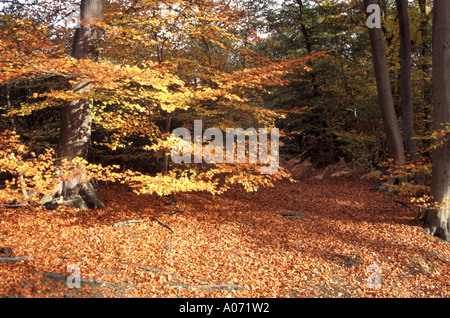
[[224, 149], [315, 238]]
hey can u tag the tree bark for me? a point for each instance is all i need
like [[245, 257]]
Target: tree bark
[[405, 83], [425, 49], [394, 140], [438, 219], [75, 130]]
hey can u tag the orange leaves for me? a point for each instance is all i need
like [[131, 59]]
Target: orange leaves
[[177, 59], [166, 184], [239, 244], [34, 176]]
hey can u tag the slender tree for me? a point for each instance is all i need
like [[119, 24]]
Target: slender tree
[[307, 35], [438, 219], [394, 140], [405, 81], [75, 130], [424, 65]]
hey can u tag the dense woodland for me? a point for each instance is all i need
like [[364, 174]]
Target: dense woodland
[[91, 91]]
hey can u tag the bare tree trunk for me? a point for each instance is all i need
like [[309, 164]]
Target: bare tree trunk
[[405, 84], [394, 140], [438, 220], [425, 49], [75, 131]]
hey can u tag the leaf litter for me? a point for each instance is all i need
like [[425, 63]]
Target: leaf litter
[[334, 237]]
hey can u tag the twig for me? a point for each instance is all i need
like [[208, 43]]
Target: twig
[[179, 210], [164, 224], [167, 227]]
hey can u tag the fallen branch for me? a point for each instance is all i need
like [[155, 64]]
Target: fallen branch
[[13, 205], [91, 281], [14, 259], [291, 214], [61, 278], [164, 224], [169, 228], [206, 288], [179, 285], [123, 223], [18, 205], [220, 286]]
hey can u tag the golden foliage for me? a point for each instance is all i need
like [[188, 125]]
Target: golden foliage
[[165, 59]]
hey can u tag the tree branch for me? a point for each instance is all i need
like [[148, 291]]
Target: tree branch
[[34, 66]]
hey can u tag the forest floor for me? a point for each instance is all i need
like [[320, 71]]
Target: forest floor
[[335, 237]]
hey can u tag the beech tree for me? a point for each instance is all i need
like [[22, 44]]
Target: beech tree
[[131, 70], [75, 131], [394, 141], [405, 84], [438, 218]]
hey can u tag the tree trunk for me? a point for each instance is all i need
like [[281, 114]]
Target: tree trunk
[[424, 66], [394, 140], [438, 220], [405, 84], [307, 34], [75, 130]]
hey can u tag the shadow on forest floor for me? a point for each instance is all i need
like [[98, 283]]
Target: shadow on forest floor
[[335, 237]]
